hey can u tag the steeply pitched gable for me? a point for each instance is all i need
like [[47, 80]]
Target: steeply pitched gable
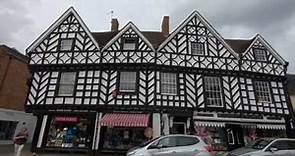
[[45, 49]]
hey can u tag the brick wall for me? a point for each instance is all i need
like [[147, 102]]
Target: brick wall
[[14, 74]]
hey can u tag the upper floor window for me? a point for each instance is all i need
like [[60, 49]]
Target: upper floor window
[[260, 54], [262, 91], [197, 48], [129, 44], [213, 92], [67, 83], [127, 81], [66, 44], [168, 83]]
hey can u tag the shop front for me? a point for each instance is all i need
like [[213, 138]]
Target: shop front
[[64, 132], [224, 133], [122, 131]]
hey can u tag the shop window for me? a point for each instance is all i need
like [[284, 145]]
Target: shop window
[[129, 44], [262, 91], [66, 44], [197, 48], [123, 138], [69, 132], [7, 129], [260, 54], [168, 83], [213, 92], [127, 81], [67, 83]]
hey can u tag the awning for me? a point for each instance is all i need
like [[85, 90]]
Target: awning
[[124, 120], [270, 126], [209, 124]]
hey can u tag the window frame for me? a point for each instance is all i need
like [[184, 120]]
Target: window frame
[[135, 84], [57, 93], [64, 39], [220, 92], [256, 91], [124, 39], [191, 48], [176, 83], [256, 56]]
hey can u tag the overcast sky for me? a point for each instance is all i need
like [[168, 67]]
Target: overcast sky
[[22, 21]]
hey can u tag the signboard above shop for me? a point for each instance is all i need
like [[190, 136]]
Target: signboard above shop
[[68, 119]]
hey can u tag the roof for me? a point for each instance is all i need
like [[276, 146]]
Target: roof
[[239, 45], [291, 84], [14, 53], [102, 38]]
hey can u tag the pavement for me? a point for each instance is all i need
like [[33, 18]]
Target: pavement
[[8, 150]]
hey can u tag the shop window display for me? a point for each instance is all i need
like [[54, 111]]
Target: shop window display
[[7, 129], [215, 136], [123, 138], [68, 132]]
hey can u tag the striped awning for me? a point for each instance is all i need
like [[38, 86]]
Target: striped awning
[[270, 126], [209, 124], [124, 120]]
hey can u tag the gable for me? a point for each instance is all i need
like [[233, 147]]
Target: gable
[[46, 49], [113, 52], [196, 29], [273, 63]]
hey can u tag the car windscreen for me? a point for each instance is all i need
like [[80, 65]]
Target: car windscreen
[[260, 144]]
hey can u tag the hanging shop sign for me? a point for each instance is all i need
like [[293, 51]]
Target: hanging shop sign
[[66, 119]]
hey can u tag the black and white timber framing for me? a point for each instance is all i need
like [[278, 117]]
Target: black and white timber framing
[[98, 67]]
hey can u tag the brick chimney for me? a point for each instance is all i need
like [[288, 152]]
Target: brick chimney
[[165, 26], [115, 25]]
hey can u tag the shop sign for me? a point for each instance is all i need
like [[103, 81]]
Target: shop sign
[[66, 119]]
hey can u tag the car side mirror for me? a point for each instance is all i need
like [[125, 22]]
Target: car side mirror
[[273, 149]]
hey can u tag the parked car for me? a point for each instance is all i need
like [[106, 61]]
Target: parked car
[[172, 145], [265, 147]]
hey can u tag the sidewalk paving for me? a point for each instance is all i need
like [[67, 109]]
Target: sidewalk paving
[[8, 150]]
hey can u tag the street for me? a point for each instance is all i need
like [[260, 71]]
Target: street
[[8, 150]]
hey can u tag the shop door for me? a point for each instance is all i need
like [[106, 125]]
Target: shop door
[[179, 128], [234, 136]]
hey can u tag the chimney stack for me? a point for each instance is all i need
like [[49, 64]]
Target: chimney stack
[[115, 25], [165, 26]]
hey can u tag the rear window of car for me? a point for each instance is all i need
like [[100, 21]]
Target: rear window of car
[[186, 141]]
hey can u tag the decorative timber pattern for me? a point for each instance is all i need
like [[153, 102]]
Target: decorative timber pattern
[[270, 66], [176, 50], [83, 49], [115, 53], [97, 81]]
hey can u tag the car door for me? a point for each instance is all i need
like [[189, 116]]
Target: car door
[[163, 147], [186, 146]]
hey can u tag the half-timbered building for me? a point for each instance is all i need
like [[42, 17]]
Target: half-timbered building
[[110, 90]]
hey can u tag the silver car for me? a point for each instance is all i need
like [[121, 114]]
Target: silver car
[[172, 145], [265, 147]]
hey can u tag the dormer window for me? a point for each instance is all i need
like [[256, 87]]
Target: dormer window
[[197, 48], [259, 54], [66, 44], [129, 43]]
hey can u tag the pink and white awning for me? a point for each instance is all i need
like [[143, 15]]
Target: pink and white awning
[[124, 120]]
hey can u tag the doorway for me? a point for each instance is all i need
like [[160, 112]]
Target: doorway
[[179, 128], [234, 135]]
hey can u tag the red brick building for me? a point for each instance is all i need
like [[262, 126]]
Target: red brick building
[[14, 74]]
